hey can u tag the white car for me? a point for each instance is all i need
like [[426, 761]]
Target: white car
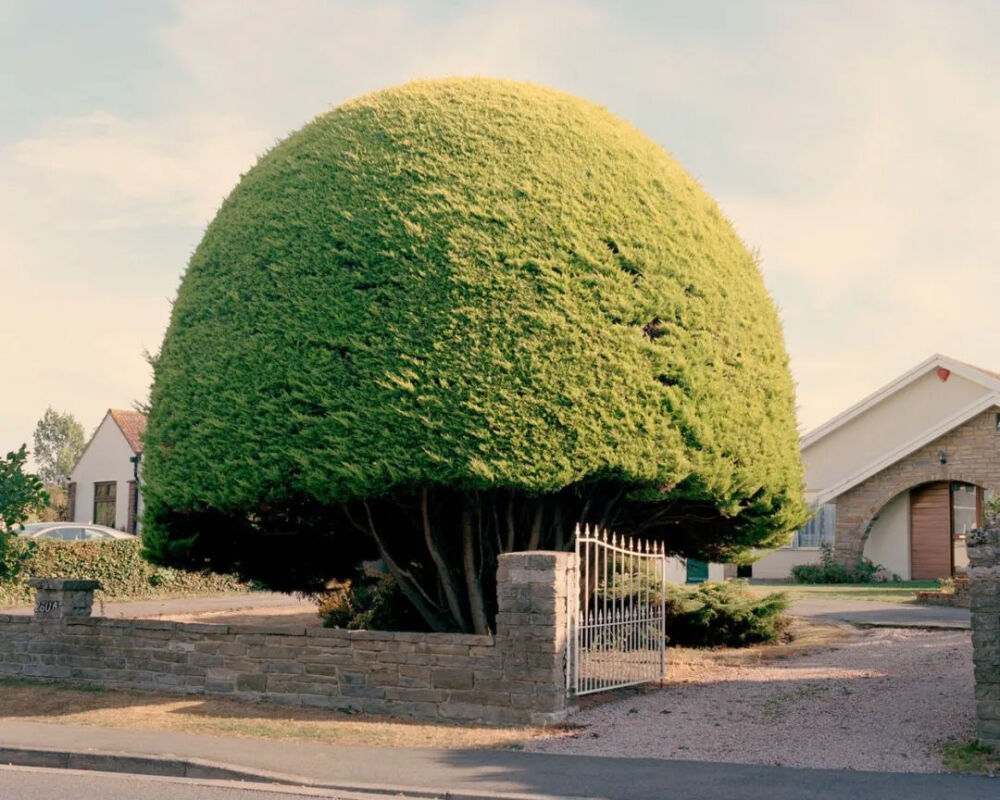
[[71, 531]]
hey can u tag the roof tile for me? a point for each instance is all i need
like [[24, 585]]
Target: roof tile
[[132, 424]]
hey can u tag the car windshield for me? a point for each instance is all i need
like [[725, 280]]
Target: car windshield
[[73, 534]]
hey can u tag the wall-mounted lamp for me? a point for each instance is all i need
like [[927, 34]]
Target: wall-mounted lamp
[[942, 457]]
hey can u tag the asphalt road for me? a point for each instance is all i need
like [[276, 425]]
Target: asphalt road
[[713, 781]]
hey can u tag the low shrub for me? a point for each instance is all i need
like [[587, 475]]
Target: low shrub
[[722, 615], [829, 570], [118, 565], [371, 600]]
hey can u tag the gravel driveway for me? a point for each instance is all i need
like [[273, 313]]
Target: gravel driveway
[[885, 700]]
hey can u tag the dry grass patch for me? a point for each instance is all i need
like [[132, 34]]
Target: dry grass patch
[[57, 702], [803, 637]]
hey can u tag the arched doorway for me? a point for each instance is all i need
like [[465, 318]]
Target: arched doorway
[[941, 514], [920, 533]]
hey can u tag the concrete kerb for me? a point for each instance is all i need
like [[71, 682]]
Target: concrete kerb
[[202, 770]]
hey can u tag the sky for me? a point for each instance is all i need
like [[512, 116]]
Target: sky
[[851, 144]]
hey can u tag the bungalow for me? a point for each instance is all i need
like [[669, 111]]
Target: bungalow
[[103, 486], [901, 477]]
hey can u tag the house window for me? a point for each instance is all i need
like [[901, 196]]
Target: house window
[[966, 508], [819, 529], [104, 503]]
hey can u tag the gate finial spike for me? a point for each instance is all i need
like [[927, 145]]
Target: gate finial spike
[[604, 535]]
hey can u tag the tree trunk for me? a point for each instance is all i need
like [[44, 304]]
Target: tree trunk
[[407, 583], [536, 527], [447, 583], [473, 585]]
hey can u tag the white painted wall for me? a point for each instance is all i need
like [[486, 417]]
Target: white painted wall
[[889, 541], [777, 564], [889, 424], [676, 570], [105, 459], [961, 556]]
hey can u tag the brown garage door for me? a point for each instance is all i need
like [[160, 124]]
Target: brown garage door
[[930, 532]]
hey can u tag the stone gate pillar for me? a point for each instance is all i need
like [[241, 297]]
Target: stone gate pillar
[[56, 598], [984, 595], [532, 597]]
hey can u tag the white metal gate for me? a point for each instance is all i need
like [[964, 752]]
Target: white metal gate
[[616, 626]]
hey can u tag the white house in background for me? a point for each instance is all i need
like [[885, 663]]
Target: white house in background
[[102, 486], [902, 476]]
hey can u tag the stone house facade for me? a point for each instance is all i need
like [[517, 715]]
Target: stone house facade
[[902, 476]]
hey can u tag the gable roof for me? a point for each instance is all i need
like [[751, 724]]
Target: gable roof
[[988, 379], [987, 372], [132, 425]]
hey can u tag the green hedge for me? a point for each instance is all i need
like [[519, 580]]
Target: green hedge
[[118, 565], [483, 288], [830, 570]]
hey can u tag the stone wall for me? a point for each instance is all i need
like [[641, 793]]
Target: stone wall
[[984, 595], [972, 451], [514, 677]]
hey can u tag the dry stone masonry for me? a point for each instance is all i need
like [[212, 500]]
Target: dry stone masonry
[[514, 677], [984, 594], [56, 598]]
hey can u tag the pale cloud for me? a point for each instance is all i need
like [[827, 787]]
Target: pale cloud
[[72, 344], [167, 171]]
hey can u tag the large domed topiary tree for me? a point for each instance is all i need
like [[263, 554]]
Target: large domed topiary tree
[[452, 319]]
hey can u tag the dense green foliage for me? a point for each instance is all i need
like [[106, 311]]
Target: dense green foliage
[[723, 615], [118, 565], [21, 494], [830, 570], [59, 442], [453, 318]]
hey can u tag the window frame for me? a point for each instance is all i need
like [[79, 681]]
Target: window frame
[[103, 501], [825, 517]]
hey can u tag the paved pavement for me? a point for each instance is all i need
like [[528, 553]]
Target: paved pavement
[[872, 613], [504, 773], [24, 783]]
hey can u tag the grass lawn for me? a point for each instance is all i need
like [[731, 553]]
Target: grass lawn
[[971, 758], [904, 592]]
